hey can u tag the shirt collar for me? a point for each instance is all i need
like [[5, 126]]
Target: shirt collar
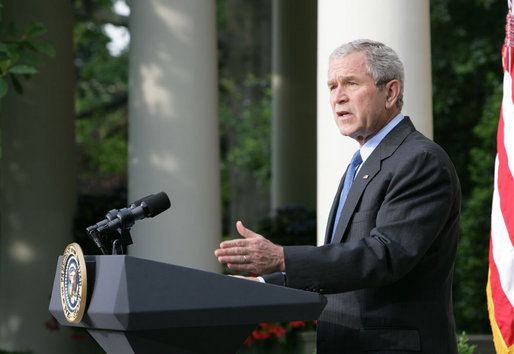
[[372, 143]]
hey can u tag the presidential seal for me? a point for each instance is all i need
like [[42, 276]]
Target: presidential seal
[[73, 279]]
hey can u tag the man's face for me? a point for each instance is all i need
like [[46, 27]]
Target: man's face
[[359, 107]]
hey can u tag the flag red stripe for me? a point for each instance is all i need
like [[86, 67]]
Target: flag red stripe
[[505, 182]]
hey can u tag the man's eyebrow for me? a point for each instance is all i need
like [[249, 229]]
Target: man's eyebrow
[[341, 78], [335, 79]]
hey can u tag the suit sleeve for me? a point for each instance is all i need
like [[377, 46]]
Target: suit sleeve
[[415, 203], [278, 278]]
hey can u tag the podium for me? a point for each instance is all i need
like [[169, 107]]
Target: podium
[[136, 305]]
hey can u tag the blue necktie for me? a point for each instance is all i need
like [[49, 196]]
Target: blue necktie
[[348, 180]]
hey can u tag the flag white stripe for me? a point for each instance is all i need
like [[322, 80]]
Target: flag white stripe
[[508, 118]]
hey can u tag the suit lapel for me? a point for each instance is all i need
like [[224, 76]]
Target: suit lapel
[[370, 168], [333, 210], [368, 171]]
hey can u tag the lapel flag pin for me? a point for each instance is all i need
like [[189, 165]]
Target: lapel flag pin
[[365, 177]]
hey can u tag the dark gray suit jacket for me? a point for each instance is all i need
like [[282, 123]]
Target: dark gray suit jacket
[[388, 272]]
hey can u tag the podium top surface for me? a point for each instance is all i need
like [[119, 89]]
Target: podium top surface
[[129, 293]]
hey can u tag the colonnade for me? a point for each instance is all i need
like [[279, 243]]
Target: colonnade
[[173, 135]]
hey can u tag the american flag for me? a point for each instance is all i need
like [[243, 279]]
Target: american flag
[[500, 285]]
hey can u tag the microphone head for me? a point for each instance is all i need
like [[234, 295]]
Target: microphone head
[[156, 203]]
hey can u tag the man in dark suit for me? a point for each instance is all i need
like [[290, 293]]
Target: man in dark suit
[[387, 263]]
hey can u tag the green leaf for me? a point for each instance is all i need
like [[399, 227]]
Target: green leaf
[[17, 85], [4, 65], [22, 69], [35, 29], [42, 47], [3, 87], [30, 58], [13, 54]]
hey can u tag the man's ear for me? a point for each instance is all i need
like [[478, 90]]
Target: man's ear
[[392, 90]]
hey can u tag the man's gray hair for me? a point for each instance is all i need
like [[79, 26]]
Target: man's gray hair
[[382, 63]]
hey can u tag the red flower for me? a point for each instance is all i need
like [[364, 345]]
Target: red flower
[[278, 330], [249, 341], [272, 331], [296, 324], [260, 335]]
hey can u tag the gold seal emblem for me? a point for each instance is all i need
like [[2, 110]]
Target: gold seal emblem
[[73, 280]]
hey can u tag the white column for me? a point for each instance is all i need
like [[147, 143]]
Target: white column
[[404, 25], [38, 184], [294, 104], [173, 129]]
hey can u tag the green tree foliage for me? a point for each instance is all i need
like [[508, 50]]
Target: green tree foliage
[[467, 37], [101, 111], [290, 225], [472, 261], [100, 103], [463, 347], [252, 128], [20, 52], [244, 65], [245, 134]]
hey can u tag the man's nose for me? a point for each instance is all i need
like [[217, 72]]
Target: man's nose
[[341, 95]]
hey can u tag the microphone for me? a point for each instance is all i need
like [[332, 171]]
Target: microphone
[[124, 219], [120, 221]]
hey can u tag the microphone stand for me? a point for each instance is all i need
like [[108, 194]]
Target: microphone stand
[[119, 239], [119, 243], [96, 237]]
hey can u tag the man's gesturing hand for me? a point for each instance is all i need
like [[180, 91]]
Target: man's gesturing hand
[[253, 253]]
